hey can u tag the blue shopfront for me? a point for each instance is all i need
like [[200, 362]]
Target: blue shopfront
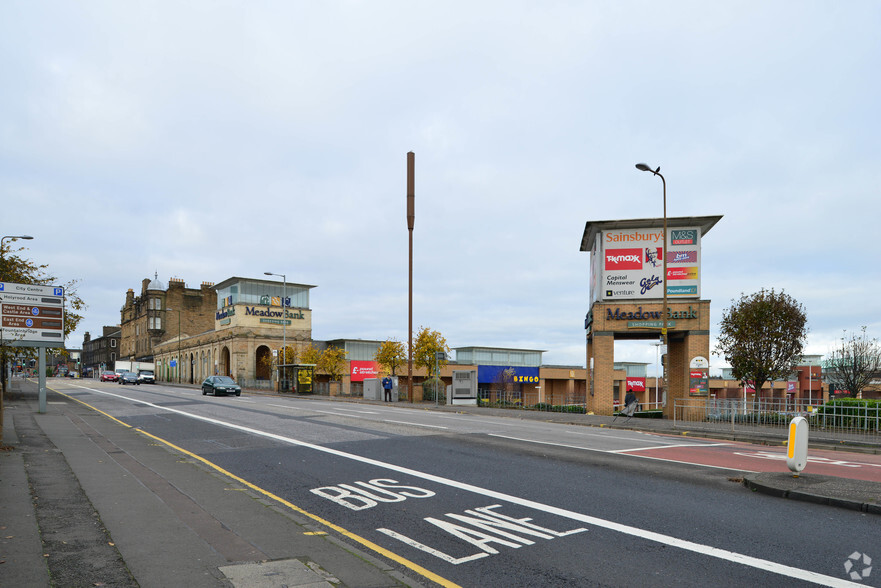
[[506, 384]]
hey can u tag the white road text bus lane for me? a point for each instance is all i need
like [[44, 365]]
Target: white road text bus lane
[[481, 531]]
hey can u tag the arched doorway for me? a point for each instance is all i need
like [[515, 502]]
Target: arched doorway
[[223, 366], [263, 360]]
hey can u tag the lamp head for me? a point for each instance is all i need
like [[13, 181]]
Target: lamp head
[[644, 167]]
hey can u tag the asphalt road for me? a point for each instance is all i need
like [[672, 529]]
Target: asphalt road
[[484, 501]]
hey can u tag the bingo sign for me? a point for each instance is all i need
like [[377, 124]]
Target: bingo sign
[[32, 316]]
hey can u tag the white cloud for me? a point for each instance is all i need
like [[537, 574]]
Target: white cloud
[[205, 140]]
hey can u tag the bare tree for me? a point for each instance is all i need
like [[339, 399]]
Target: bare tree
[[854, 363]]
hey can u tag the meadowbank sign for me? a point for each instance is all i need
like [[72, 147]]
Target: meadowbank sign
[[267, 313], [640, 314]]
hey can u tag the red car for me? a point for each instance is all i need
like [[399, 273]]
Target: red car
[[108, 377]]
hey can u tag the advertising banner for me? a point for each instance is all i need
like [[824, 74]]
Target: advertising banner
[[698, 383], [362, 370], [635, 384], [630, 264]]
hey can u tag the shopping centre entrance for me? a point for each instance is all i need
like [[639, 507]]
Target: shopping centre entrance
[[629, 271]]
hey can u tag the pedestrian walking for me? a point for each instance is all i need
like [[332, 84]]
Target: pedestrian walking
[[630, 405]]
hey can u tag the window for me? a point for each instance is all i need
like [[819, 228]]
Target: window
[[113, 343]]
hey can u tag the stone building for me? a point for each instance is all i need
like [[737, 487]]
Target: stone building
[[101, 352], [250, 319], [146, 322]]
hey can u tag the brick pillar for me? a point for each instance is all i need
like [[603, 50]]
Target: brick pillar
[[602, 347], [679, 355]]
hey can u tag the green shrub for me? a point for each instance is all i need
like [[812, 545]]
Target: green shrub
[[849, 413], [428, 388]]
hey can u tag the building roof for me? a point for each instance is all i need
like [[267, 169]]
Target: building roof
[[274, 282], [591, 228]]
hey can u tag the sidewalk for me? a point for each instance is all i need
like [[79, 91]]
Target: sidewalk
[[87, 501]]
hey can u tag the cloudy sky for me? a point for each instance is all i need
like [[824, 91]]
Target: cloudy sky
[[204, 140]]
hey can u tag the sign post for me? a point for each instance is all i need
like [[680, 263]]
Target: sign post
[[33, 316]]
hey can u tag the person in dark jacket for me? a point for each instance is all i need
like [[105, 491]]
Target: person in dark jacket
[[630, 405]]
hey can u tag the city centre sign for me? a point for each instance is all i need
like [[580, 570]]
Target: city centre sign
[[31, 316]]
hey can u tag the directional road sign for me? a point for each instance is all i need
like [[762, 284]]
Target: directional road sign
[[31, 316]]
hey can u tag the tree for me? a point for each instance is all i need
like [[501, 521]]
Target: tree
[[854, 363], [762, 336], [428, 343], [390, 355], [310, 355], [18, 270], [333, 362]]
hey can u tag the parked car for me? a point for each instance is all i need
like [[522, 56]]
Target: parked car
[[108, 377], [129, 378], [221, 385], [146, 377]]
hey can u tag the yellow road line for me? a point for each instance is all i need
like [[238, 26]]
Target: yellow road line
[[357, 538]]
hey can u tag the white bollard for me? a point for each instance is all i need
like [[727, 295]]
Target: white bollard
[[797, 451]]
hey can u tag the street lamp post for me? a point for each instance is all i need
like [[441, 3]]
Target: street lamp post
[[284, 320], [178, 341], [657, 172], [25, 237]]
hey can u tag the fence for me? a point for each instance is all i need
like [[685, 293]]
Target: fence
[[834, 421], [252, 384], [514, 399]]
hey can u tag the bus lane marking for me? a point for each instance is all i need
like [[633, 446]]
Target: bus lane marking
[[486, 525], [645, 534], [483, 521]]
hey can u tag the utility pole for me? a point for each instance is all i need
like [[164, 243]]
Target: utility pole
[[411, 215]]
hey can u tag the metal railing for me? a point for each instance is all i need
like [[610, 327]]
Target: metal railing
[[832, 421], [574, 403]]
